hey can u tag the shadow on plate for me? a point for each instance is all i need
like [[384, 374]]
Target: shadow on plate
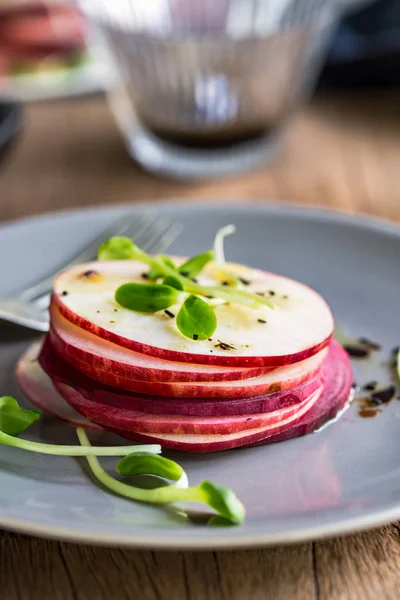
[[10, 127], [10, 333]]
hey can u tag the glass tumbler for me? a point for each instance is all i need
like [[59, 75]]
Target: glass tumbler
[[207, 86]]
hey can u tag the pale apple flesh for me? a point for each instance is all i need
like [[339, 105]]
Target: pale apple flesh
[[299, 327], [88, 348], [322, 404], [282, 378], [334, 398], [39, 390], [264, 375], [177, 425], [75, 388], [64, 372]]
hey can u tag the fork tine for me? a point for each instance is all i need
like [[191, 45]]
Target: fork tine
[[134, 228], [119, 227], [167, 238], [155, 236], [139, 236], [153, 233]]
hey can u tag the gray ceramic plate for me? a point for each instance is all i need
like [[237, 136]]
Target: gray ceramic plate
[[344, 478]]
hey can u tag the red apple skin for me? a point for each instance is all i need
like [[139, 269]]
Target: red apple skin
[[156, 424], [39, 390], [67, 338], [337, 390], [247, 388], [173, 355], [338, 380], [56, 367], [67, 384]]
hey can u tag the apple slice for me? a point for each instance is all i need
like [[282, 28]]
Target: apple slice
[[40, 392], [300, 327], [278, 379], [336, 395], [85, 347], [312, 413], [71, 387], [58, 369], [175, 424]]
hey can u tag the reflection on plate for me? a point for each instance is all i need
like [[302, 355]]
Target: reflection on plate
[[343, 478]]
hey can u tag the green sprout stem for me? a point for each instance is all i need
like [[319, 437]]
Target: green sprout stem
[[219, 254], [56, 450], [234, 295], [163, 495], [138, 460], [145, 463], [194, 266], [223, 501], [219, 243], [124, 248]]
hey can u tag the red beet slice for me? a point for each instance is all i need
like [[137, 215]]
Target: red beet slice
[[337, 392], [176, 424], [110, 397], [279, 379], [311, 414]]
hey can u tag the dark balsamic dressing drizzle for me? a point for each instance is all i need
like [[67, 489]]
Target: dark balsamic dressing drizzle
[[356, 351], [384, 396], [361, 348], [370, 386], [370, 406], [369, 344], [377, 395]]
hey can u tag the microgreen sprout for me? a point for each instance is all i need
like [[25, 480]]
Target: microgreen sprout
[[145, 463], [193, 267], [196, 319], [14, 420], [173, 282], [138, 460], [177, 285], [219, 254], [117, 248], [221, 499], [155, 273], [147, 297], [219, 243]]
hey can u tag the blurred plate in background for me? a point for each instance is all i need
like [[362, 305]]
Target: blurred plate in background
[[89, 76], [48, 50]]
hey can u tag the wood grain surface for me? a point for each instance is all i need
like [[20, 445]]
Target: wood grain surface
[[341, 152]]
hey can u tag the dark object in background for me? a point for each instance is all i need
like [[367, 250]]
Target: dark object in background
[[10, 125], [366, 49]]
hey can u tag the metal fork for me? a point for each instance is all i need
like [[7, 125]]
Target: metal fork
[[29, 307]]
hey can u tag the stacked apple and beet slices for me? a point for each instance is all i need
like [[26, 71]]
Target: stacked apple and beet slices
[[236, 357]]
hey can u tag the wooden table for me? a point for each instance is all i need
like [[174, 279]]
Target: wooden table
[[341, 152]]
